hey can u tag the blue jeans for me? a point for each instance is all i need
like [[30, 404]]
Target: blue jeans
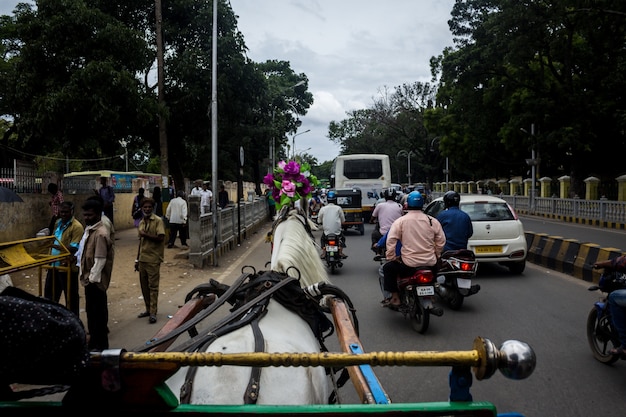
[[617, 307]]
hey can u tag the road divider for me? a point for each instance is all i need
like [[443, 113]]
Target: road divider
[[568, 256]]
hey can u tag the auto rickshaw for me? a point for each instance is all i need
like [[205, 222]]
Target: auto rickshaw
[[349, 199]]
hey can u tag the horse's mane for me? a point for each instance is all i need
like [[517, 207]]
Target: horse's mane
[[294, 247]]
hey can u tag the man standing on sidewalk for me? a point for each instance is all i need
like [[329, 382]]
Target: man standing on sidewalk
[[150, 256], [176, 214], [95, 258]]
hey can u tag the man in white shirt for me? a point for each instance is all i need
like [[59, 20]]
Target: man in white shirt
[[176, 214], [201, 190], [331, 218]]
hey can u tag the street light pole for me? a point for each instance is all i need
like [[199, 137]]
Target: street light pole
[[124, 144], [293, 141], [408, 155], [446, 171], [533, 162], [272, 156]]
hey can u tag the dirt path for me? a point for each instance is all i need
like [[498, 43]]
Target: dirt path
[[178, 277]]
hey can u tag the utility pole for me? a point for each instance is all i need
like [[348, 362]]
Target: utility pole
[[165, 170]]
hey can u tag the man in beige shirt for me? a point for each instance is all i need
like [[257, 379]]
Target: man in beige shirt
[[151, 231]]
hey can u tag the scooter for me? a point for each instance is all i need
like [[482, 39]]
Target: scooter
[[333, 260], [417, 294], [454, 277], [601, 334]]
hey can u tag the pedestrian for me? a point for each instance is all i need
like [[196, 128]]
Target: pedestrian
[[137, 204], [222, 197], [105, 220], [176, 214], [108, 197], [149, 257], [271, 204], [95, 259], [69, 232], [55, 203], [206, 199], [158, 201]]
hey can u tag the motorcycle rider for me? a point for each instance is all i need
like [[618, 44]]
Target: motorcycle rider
[[331, 218], [384, 215], [422, 240], [617, 303], [456, 223]]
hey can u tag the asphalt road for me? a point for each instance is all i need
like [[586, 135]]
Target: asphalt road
[[546, 309], [607, 238]]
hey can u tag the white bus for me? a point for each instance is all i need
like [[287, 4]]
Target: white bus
[[369, 172]]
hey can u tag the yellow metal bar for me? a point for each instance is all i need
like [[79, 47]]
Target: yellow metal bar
[[327, 359]]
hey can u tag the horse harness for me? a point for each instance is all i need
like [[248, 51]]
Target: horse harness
[[250, 296]]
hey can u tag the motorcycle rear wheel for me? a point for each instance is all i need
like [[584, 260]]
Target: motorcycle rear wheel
[[420, 317], [601, 337]]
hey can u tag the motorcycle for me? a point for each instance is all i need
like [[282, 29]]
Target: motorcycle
[[454, 277], [333, 260], [417, 294], [601, 334]]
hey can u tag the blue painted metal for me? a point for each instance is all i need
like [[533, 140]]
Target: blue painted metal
[[368, 373]]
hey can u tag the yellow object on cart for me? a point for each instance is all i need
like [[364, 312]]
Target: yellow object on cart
[[28, 253]]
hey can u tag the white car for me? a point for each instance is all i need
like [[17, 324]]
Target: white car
[[498, 233]]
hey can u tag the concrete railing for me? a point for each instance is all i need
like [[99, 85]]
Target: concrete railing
[[606, 213], [234, 223]]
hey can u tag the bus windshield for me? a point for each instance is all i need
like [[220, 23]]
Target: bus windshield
[[363, 168]]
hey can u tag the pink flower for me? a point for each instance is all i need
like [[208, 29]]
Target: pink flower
[[269, 180], [292, 168], [288, 188]]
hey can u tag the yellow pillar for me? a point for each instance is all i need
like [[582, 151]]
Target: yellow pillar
[[621, 188], [564, 184], [591, 190], [471, 187], [514, 186], [463, 187], [545, 186]]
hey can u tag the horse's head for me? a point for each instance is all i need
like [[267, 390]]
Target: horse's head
[[294, 247]]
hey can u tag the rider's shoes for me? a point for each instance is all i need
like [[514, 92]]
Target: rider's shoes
[[344, 256], [621, 351]]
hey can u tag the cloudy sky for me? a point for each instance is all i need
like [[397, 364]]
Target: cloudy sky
[[349, 50]]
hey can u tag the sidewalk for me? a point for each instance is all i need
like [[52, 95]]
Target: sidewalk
[[178, 277]]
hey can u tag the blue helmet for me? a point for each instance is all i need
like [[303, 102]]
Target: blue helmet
[[415, 200], [331, 195]]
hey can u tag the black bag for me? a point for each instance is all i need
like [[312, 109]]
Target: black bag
[[42, 342]]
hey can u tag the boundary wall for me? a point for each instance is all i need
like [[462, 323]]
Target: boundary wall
[[568, 256]]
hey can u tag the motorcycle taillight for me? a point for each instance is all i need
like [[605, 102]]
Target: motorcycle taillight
[[419, 277], [467, 266], [332, 243]]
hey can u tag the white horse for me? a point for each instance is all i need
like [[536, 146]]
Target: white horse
[[283, 332]]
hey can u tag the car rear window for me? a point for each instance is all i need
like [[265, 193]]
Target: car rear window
[[482, 211]]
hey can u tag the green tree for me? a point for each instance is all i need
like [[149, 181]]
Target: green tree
[[69, 72]]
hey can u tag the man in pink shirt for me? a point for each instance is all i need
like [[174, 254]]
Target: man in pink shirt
[[422, 240], [384, 215]]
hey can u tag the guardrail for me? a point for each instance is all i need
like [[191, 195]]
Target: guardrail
[[234, 223], [606, 213]]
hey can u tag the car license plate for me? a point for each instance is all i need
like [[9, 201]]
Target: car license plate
[[425, 291], [332, 248], [464, 283], [489, 249]]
